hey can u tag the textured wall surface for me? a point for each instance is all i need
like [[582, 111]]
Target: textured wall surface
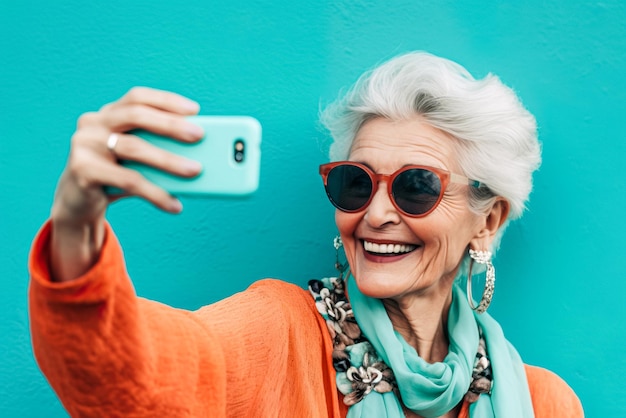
[[561, 269]]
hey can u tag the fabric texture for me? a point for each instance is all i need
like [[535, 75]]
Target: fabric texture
[[264, 352]]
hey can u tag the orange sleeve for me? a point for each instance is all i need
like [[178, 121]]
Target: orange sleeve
[[107, 352], [551, 396]]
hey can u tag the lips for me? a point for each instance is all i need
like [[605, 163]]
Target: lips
[[388, 249]]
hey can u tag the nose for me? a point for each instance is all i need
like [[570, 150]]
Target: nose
[[381, 210]]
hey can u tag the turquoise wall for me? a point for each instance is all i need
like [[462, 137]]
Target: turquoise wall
[[561, 270]]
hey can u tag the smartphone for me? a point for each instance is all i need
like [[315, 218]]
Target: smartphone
[[230, 154]]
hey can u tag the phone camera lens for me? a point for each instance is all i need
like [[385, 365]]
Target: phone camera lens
[[239, 151]]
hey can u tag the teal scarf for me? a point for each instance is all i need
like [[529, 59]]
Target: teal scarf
[[431, 390]]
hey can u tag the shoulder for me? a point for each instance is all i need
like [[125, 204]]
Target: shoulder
[[269, 310], [281, 295], [551, 396], [273, 300], [289, 300]]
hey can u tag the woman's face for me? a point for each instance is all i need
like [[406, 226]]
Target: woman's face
[[436, 242]]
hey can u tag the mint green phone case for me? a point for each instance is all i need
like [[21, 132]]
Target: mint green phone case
[[222, 173]]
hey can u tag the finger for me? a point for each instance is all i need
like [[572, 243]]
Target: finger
[[125, 118], [134, 184], [160, 99], [133, 148]]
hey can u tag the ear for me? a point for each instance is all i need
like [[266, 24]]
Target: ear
[[490, 223]]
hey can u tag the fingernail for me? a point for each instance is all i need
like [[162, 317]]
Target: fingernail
[[190, 106], [191, 166], [195, 130], [176, 206]]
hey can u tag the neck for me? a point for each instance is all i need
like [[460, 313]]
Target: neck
[[422, 321]]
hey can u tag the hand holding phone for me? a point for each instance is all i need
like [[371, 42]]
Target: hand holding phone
[[229, 152]]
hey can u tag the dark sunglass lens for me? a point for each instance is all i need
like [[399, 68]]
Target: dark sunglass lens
[[416, 191], [349, 187]]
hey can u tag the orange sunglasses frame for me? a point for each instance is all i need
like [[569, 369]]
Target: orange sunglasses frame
[[445, 177]]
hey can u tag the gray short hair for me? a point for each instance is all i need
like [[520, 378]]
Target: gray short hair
[[496, 136]]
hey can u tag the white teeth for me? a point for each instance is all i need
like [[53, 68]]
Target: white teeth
[[388, 248]]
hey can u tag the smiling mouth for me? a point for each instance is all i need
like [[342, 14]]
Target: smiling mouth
[[388, 249]]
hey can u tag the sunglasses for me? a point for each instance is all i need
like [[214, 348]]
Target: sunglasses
[[415, 190]]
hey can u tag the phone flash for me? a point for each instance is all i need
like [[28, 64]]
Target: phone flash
[[239, 150]]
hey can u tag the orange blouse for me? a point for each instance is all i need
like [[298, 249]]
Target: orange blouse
[[264, 352]]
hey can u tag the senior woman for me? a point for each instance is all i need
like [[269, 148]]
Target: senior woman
[[430, 165]]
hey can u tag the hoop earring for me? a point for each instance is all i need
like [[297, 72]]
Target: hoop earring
[[481, 257], [341, 267]]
